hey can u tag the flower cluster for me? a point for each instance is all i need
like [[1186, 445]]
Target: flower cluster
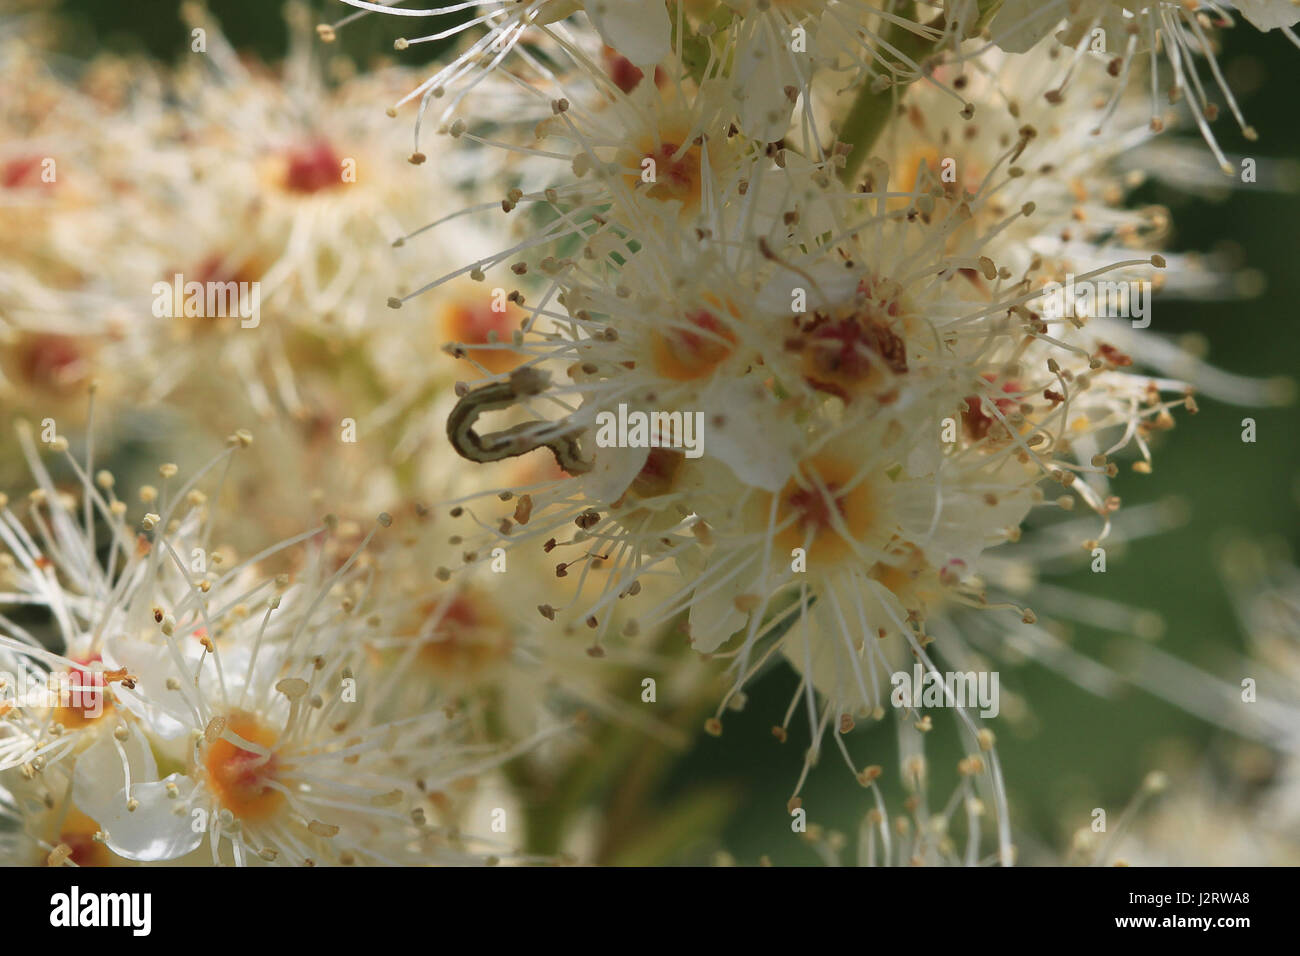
[[195, 704], [849, 245], [811, 331]]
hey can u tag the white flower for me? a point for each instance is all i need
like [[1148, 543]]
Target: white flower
[[779, 48], [636, 28], [239, 710], [883, 387], [1270, 15], [1125, 34]]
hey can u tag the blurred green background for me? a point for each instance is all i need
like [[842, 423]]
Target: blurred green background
[[1084, 751]]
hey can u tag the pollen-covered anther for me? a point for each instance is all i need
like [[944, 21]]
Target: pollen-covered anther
[[295, 688], [59, 855], [870, 774], [317, 828]]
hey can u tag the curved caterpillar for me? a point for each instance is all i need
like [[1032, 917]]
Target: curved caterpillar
[[518, 439]]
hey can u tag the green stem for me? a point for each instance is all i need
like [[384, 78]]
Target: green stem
[[551, 804], [871, 110], [619, 768]]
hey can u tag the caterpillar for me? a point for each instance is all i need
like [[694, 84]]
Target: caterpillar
[[518, 439]]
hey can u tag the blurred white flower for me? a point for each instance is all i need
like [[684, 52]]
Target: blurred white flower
[[230, 708]]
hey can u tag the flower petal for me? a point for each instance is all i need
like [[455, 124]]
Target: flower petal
[[1269, 14], [638, 29]]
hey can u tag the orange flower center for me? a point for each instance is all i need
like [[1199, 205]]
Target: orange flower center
[[467, 640], [241, 778], [23, 172], [823, 510], [311, 168], [845, 352], [683, 354], [48, 361], [82, 699], [978, 419], [658, 474], [78, 833], [664, 171], [476, 323]]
